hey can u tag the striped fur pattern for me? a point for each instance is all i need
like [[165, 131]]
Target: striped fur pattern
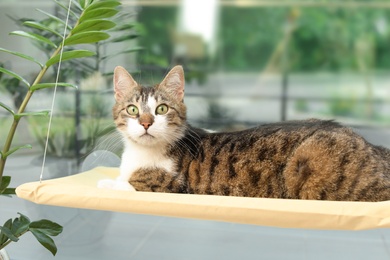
[[311, 159]]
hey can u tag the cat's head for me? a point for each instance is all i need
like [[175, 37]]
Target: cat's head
[[150, 116]]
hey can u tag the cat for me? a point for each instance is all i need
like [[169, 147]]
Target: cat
[[309, 159]]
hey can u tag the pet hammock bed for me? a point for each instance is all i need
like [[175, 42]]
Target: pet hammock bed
[[80, 191]]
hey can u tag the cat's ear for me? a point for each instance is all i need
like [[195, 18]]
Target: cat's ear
[[173, 83], [123, 82]]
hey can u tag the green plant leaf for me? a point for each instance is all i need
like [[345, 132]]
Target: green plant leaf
[[93, 25], [21, 55], [34, 36], [97, 13], [44, 228], [70, 55], [5, 181], [125, 27], [55, 18], [37, 113], [51, 85], [4, 190], [77, 4], [8, 233], [13, 74], [7, 192], [24, 217], [86, 37], [86, 3], [42, 27], [124, 38], [20, 225], [66, 8], [7, 108], [123, 52], [102, 4], [3, 237], [47, 227], [45, 240], [11, 151], [82, 3]]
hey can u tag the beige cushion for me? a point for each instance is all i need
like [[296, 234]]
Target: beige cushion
[[80, 191]]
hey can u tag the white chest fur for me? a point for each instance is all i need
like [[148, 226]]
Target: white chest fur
[[138, 156]]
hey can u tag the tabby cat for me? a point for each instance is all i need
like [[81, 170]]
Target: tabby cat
[[310, 159]]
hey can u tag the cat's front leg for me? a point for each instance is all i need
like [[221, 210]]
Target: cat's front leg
[[120, 183], [158, 180]]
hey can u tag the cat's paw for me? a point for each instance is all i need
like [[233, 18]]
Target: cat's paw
[[115, 185]]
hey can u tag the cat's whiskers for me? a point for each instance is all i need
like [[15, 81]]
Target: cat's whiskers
[[193, 134], [181, 146], [168, 138], [110, 141], [172, 139], [185, 145]]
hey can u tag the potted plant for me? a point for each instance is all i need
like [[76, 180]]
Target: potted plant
[[84, 111], [92, 19]]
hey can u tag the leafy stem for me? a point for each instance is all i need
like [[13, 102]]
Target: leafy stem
[[9, 240], [43, 230], [91, 20], [22, 108], [88, 28]]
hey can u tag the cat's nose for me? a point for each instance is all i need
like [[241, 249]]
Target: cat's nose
[[146, 120], [146, 125]]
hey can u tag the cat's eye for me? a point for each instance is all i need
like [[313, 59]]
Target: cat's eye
[[132, 110], [162, 109]]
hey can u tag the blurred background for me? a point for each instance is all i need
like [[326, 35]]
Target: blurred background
[[247, 62]]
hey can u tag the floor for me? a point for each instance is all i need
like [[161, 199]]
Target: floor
[[103, 235]]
